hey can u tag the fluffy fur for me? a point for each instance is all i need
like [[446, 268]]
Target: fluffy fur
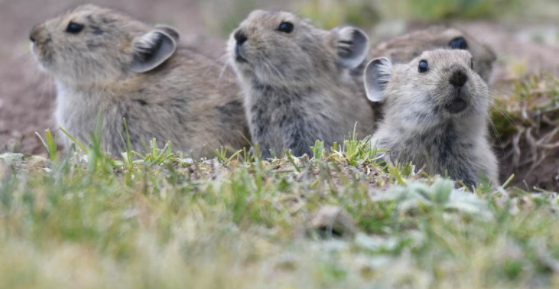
[[405, 48], [119, 68], [300, 87], [420, 125]]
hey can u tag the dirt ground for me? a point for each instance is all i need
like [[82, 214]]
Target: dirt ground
[[27, 96]]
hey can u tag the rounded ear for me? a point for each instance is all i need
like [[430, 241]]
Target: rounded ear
[[170, 31], [153, 49], [492, 55], [352, 45], [377, 77]]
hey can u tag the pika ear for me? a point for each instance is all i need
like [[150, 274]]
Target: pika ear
[[377, 76], [170, 31], [352, 45], [153, 49], [492, 55]]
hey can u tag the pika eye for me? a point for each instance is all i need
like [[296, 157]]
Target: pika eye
[[459, 43], [74, 28], [423, 66], [286, 27]]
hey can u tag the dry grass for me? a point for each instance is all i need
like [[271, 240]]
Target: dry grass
[[526, 130], [89, 220], [164, 221]]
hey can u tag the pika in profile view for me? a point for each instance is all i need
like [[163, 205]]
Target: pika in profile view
[[110, 65], [300, 82], [437, 111]]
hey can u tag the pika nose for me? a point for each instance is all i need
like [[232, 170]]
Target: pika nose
[[240, 37], [34, 34], [458, 78]]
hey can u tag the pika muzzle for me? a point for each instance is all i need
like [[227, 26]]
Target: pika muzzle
[[240, 38], [458, 101], [458, 78], [34, 35]]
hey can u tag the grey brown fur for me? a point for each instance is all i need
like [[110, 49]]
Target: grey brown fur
[[429, 120], [300, 87], [405, 48], [118, 68]]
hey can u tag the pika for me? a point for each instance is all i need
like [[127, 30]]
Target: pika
[[405, 48], [108, 67], [300, 82], [437, 111]]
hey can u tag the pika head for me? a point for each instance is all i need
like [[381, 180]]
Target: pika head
[[434, 87], [90, 44], [407, 47], [281, 48]]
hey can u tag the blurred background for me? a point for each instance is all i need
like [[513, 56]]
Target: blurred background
[[524, 33]]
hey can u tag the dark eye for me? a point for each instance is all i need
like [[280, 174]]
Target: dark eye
[[459, 43], [472, 64], [74, 28], [423, 66], [286, 27]]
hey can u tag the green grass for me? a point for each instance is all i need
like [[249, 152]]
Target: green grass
[[161, 220], [157, 219], [365, 13]]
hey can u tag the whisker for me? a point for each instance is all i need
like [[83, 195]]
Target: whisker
[[223, 71], [279, 74], [496, 133]]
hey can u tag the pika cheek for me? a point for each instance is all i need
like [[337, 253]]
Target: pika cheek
[[33, 49], [36, 51]]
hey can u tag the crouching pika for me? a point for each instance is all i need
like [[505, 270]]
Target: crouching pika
[[300, 82], [111, 67], [437, 111]]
